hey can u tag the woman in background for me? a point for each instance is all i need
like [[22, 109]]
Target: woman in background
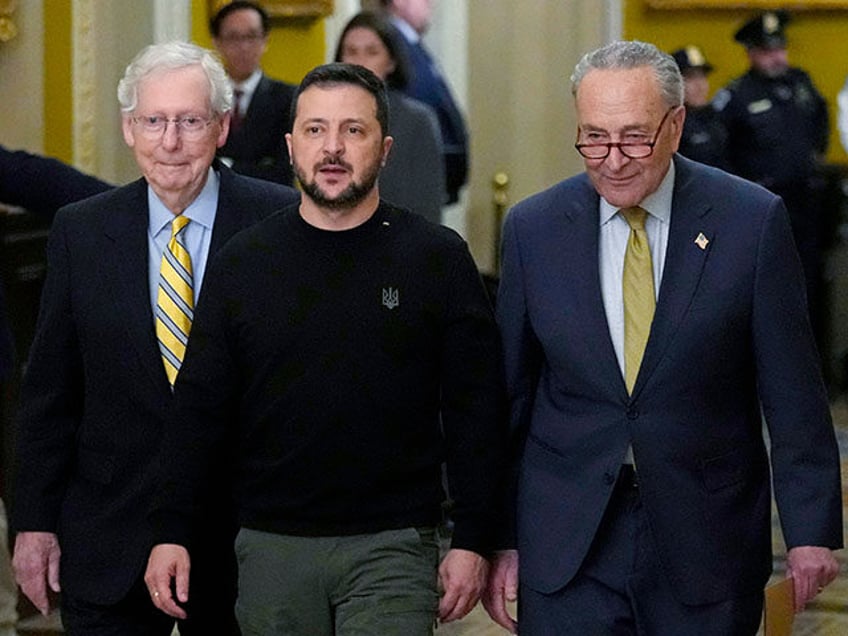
[[414, 175]]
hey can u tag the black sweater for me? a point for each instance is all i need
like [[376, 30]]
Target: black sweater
[[344, 367]]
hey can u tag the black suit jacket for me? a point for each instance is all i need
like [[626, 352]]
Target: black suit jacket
[[95, 396], [730, 344], [258, 148]]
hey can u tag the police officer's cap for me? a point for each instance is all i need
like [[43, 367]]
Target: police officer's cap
[[691, 57], [764, 31]]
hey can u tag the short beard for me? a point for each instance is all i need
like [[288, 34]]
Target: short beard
[[348, 198]]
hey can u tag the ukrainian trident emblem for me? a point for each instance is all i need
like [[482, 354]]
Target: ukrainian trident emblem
[[391, 298]]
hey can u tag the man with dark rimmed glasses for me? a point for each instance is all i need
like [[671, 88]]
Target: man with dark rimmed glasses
[[651, 309]]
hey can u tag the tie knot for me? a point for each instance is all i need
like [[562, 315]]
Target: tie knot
[[178, 224], [237, 93], [635, 217]]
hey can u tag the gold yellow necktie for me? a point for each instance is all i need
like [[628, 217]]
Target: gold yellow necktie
[[175, 300], [639, 298]]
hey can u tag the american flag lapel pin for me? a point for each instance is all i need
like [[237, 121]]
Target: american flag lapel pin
[[701, 241]]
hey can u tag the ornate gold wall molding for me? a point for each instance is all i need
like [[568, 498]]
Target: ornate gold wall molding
[[8, 29], [84, 74]]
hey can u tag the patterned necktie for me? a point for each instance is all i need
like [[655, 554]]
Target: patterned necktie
[[175, 300], [238, 117], [639, 298]]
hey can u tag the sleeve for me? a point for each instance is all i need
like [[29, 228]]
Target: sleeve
[[804, 453], [200, 418], [42, 184], [430, 145], [726, 105], [51, 402], [522, 366], [473, 408]]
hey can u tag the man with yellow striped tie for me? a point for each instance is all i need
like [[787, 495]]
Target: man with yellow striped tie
[[125, 272]]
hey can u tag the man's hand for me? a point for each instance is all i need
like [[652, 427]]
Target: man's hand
[[811, 568], [463, 576], [502, 588], [168, 561], [36, 565]]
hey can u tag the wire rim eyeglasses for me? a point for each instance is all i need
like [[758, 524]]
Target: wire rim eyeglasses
[[191, 127]]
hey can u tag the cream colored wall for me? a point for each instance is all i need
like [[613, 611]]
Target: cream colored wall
[[21, 109], [103, 46], [521, 55]]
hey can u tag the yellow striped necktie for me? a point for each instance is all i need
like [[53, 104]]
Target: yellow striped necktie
[[174, 300], [638, 290]]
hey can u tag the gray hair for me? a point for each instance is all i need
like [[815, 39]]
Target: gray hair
[[634, 54], [171, 56]]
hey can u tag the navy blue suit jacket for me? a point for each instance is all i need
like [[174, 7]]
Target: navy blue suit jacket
[[95, 396], [730, 343]]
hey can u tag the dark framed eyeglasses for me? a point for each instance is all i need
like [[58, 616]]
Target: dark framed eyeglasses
[[633, 150]]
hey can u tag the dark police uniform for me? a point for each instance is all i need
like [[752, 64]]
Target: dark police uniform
[[777, 130], [777, 127], [704, 136]]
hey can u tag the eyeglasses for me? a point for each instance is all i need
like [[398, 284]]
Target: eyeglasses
[[241, 38], [630, 149], [190, 127]]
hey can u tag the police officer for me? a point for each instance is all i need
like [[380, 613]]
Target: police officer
[[778, 130], [704, 135]]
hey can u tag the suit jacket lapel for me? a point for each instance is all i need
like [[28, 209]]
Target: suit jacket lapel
[[684, 263], [254, 118], [126, 268], [227, 221]]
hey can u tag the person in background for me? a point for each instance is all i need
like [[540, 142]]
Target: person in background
[[41, 185], [704, 136], [414, 177], [350, 347], [427, 84], [125, 269], [256, 144], [777, 126], [653, 320]]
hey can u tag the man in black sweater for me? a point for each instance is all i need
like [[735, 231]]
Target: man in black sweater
[[345, 348]]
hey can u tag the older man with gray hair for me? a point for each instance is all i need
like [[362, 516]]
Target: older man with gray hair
[[125, 269]]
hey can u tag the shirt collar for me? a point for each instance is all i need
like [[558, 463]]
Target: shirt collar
[[249, 85], [658, 203], [409, 34], [201, 210]]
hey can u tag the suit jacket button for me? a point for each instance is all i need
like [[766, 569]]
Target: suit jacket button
[[632, 413], [609, 478]]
